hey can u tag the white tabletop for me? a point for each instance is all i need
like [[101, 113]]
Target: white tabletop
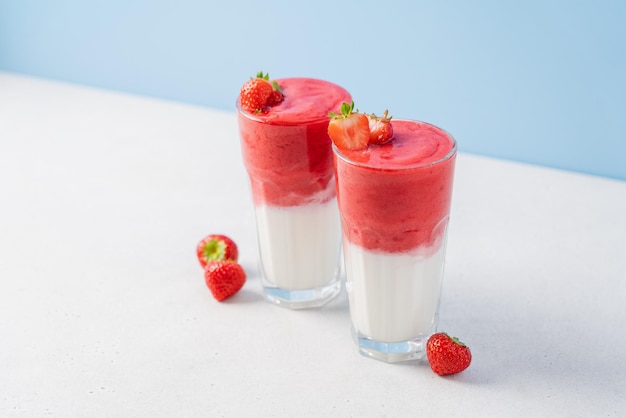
[[104, 311]]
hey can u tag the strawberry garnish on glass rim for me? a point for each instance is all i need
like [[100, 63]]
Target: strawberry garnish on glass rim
[[350, 129], [258, 94], [381, 130], [277, 96]]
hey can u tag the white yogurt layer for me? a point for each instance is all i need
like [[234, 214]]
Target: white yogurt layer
[[299, 245], [393, 297]]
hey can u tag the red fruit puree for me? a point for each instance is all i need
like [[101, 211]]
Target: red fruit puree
[[287, 151], [396, 197]]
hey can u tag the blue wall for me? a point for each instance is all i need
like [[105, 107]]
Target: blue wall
[[536, 81]]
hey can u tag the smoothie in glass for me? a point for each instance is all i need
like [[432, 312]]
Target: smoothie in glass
[[394, 201], [288, 156]]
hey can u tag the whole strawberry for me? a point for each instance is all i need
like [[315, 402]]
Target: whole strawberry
[[216, 247], [258, 93], [447, 355], [381, 130], [224, 278]]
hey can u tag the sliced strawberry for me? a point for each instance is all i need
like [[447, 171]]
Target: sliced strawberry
[[350, 130], [381, 130], [224, 278], [216, 247]]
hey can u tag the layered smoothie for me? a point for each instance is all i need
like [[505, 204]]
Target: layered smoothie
[[394, 201], [288, 156]]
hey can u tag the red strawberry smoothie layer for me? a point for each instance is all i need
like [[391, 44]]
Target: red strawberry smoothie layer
[[396, 197], [287, 151]]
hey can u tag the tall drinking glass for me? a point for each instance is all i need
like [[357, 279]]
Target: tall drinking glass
[[288, 156], [394, 201]]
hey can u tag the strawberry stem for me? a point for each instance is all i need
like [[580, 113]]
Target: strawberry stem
[[457, 341], [214, 250], [346, 110], [384, 117]]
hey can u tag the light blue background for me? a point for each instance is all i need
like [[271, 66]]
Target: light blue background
[[535, 81]]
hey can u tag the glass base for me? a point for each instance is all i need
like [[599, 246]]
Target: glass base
[[302, 298], [391, 352]]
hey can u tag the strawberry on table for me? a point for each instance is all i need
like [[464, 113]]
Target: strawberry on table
[[258, 93], [381, 130], [224, 278], [216, 247], [447, 355], [349, 130]]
